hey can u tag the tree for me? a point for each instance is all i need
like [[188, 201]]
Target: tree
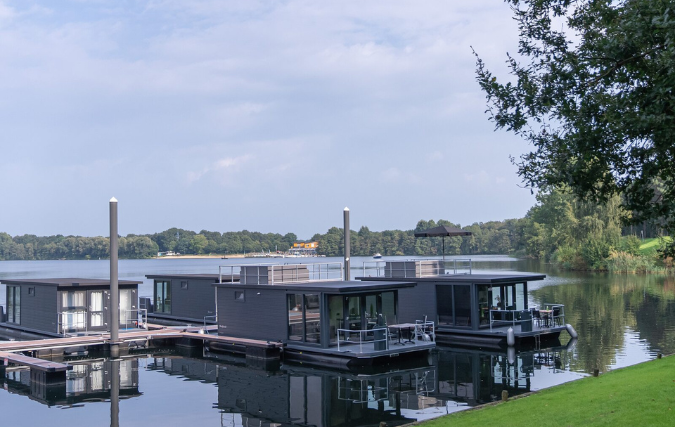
[[593, 91]]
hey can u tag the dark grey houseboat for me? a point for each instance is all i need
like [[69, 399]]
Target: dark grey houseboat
[[57, 307], [185, 298], [471, 309], [326, 322]]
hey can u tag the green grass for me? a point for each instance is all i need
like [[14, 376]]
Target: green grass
[[640, 395], [649, 246]]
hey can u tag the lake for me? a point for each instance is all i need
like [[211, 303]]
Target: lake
[[621, 320]]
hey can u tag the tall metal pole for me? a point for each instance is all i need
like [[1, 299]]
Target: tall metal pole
[[114, 285], [115, 393], [347, 243]]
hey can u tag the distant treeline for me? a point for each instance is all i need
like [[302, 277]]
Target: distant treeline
[[496, 237], [559, 228]]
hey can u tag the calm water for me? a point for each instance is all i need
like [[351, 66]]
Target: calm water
[[621, 320]]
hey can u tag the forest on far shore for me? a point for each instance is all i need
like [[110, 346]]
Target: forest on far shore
[[559, 228]]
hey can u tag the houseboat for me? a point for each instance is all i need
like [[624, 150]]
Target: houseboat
[[471, 309], [59, 307], [321, 320], [180, 299]]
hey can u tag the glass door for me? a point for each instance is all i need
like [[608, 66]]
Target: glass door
[[354, 313]]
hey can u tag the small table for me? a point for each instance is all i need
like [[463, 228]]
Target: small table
[[546, 315], [400, 327]]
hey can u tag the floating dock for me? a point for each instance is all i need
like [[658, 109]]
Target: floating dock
[[34, 354]]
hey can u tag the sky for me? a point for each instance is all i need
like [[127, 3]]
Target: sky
[[269, 116]]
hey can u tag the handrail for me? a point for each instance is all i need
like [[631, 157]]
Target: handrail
[[141, 318], [301, 272], [423, 329], [513, 317], [349, 332], [206, 318], [416, 267]]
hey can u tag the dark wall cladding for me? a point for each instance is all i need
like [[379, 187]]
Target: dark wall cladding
[[39, 311], [415, 303], [195, 302], [261, 315]]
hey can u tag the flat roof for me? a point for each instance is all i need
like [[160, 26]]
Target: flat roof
[[68, 282], [213, 277], [488, 279], [332, 286]]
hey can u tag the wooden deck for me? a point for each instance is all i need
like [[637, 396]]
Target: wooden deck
[[33, 362]]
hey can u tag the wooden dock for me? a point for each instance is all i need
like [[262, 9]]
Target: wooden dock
[[12, 352]]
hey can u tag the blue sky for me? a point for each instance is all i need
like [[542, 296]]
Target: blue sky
[[269, 116]]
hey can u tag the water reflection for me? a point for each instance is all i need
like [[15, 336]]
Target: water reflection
[[452, 380], [88, 381]]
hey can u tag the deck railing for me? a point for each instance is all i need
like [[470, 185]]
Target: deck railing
[[362, 335], [77, 322], [417, 268], [513, 317], [270, 274], [212, 319]]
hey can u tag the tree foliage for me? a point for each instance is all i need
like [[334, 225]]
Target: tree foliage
[[593, 90]]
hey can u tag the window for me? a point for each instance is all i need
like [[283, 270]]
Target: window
[[162, 296], [184, 284], [304, 318], [14, 304], [240, 296], [127, 315], [295, 325], [96, 308], [72, 299], [31, 291]]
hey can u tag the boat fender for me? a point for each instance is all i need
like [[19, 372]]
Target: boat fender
[[571, 331], [510, 337], [426, 337], [511, 355]]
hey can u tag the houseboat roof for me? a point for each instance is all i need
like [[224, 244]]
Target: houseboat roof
[[486, 279], [213, 277], [69, 282], [332, 286]]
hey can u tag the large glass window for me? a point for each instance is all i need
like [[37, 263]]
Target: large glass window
[[96, 308], [73, 299], [14, 304], [126, 315], [335, 314], [162, 296], [295, 322], [445, 305], [353, 313], [389, 308], [483, 304], [462, 298], [312, 318]]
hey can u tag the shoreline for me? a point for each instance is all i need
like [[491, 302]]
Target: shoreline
[[200, 256]]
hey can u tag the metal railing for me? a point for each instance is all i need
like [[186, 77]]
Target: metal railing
[[362, 334], [77, 322], [417, 268], [72, 322], [270, 274], [424, 331], [214, 319], [138, 321], [513, 317]]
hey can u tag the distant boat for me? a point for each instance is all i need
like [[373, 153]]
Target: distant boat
[[377, 256]]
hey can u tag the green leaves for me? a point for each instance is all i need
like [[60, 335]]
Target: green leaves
[[594, 93]]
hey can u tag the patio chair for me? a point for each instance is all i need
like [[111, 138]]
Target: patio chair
[[537, 317]]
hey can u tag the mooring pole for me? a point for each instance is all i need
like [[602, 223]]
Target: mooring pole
[[114, 285], [347, 243], [115, 393]]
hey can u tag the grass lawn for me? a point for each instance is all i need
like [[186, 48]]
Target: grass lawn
[[640, 395], [651, 245]]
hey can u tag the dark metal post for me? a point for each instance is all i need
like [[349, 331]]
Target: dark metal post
[[115, 393], [347, 243], [114, 285]]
